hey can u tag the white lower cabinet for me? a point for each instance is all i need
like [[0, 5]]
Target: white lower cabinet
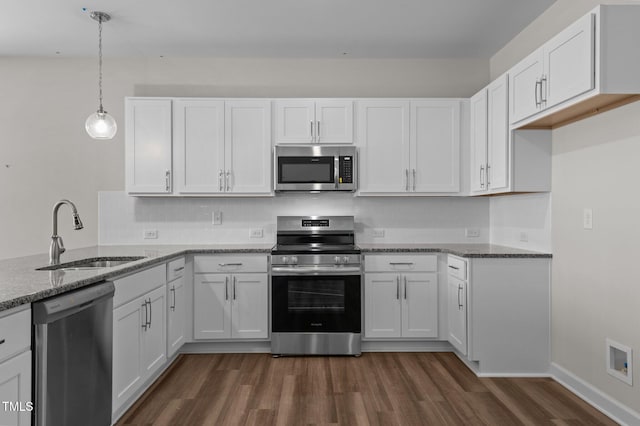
[[230, 305], [177, 306], [15, 368], [139, 332], [402, 303], [457, 303]]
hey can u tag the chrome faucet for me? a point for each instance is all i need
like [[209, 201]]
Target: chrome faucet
[[57, 246]]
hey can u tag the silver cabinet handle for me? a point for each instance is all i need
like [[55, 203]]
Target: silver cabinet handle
[[482, 176], [401, 263], [405, 288], [234, 288], [488, 175], [317, 131], [220, 186], [311, 124], [459, 301], [543, 89], [2, 341], [398, 287], [150, 313], [229, 264], [414, 180], [167, 179], [535, 91], [226, 288], [178, 269], [173, 306], [146, 315], [406, 180], [228, 180], [454, 267]]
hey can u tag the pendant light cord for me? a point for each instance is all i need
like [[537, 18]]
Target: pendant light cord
[[101, 110]]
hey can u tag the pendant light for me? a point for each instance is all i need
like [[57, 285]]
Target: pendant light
[[100, 125]]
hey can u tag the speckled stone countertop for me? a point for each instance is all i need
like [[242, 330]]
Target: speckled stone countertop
[[462, 250], [21, 283]]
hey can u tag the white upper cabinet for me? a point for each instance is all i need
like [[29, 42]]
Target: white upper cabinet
[[199, 146], [435, 146], [478, 129], [304, 121], [409, 147], [498, 163], [590, 66], [148, 146], [383, 139], [248, 147]]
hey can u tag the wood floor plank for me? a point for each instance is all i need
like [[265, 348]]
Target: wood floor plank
[[376, 389]]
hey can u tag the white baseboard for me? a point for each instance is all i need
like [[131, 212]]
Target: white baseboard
[[595, 397]]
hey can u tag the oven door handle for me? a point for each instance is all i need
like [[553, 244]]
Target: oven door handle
[[303, 270]]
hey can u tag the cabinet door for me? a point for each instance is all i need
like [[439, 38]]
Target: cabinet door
[[419, 305], [199, 146], [525, 97], [435, 146], [478, 130], [15, 389], [176, 315], [498, 135], [383, 138], [128, 320], [154, 337], [248, 147], [334, 121], [382, 305], [295, 121], [569, 62], [148, 146], [211, 306], [457, 313], [249, 306]]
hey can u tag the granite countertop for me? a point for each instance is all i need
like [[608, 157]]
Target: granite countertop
[[21, 283]]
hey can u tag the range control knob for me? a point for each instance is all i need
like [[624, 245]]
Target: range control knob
[[285, 260], [345, 259], [337, 260], [294, 260]]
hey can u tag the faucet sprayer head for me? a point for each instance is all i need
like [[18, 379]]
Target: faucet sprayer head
[[77, 223]]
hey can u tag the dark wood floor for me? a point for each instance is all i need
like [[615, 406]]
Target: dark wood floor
[[375, 389]]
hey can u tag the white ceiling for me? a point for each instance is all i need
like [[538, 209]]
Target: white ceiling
[[266, 28]]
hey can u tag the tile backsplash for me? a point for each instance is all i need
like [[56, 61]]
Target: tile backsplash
[[124, 219]]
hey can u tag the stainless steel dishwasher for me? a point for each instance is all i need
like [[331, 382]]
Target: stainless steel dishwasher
[[73, 355]]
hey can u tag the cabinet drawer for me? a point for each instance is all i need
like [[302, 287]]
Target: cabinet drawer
[[457, 267], [135, 285], [15, 333], [402, 263], [231, 264], [175, 269]]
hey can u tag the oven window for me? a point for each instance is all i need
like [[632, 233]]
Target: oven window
[[305, 169], [320, 295]]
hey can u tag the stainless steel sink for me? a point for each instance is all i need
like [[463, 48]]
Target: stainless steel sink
[[92, 263]]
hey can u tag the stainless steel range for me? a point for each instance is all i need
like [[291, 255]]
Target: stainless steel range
[[316, 287]]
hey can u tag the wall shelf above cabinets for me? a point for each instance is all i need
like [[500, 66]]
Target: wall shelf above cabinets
[[310, 121], [590, 67]]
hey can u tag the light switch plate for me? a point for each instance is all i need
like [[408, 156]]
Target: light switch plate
[[471, 232], [378, 233], [587, 218], [150, 234], [256, 233], [216, 217]]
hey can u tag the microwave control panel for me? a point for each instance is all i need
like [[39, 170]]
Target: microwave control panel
[[346, 169]]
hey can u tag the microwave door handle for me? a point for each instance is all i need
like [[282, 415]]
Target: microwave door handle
[[336, 170], [311, 124]]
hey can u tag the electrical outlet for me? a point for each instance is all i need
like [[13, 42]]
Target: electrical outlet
[[150, 234], [471, 232], [256, 233], [378, 233], [587, 218], [524, 237], [217, 217]]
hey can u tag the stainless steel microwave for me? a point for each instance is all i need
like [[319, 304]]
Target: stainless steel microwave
[[315, 168]]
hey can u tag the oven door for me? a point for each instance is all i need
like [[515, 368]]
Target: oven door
[[316, 303]]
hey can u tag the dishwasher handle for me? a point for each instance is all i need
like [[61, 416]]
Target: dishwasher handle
[[52, 309]]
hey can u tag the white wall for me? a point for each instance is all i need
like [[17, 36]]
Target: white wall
[[521, 221], [46, 155], [595, 165], [123, 219]]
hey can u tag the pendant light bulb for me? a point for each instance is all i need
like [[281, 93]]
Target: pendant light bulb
[[100, 125]]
